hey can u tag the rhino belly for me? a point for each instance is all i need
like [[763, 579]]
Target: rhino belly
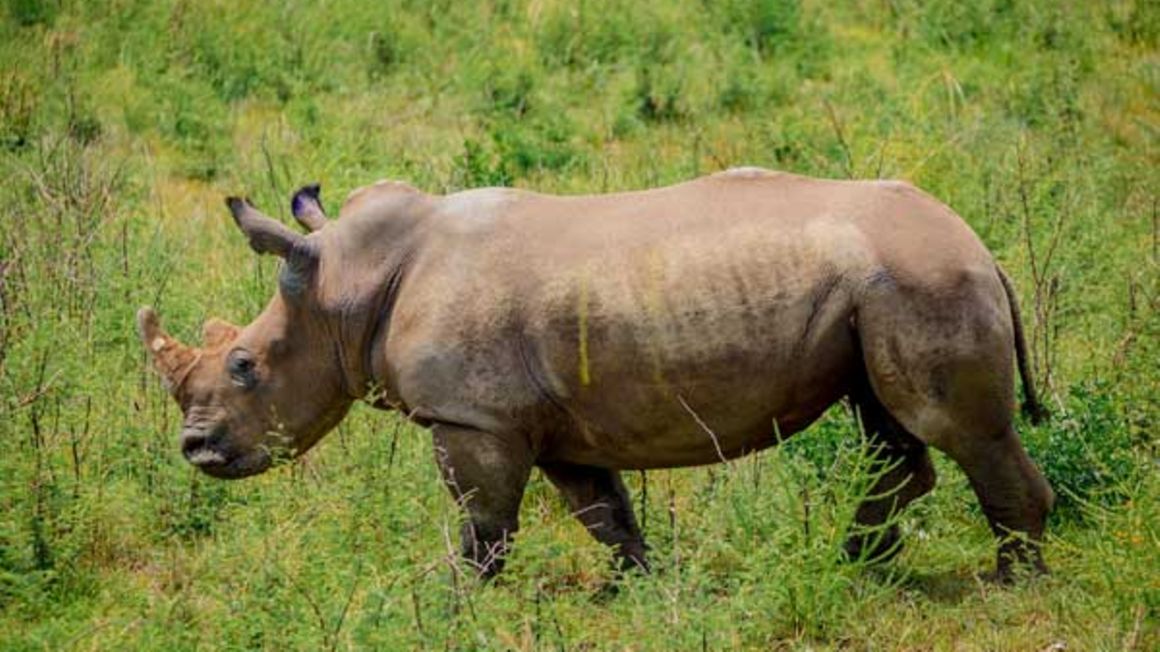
[[688, 388]]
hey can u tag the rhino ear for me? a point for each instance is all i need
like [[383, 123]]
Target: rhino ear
[[306, 206], [269, 236], [266, 235]]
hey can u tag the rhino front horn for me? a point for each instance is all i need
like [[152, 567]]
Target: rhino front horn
[[171, 358], [149, 329]]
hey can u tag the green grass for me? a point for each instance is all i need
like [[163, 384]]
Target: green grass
[[123, 124]]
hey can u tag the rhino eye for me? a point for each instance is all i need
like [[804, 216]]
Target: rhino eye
[[241, 367]]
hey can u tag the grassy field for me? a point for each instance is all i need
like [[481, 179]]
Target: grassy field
[[123, 123]]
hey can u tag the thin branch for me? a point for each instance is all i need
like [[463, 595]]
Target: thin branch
[[705, 427], [841, 136]]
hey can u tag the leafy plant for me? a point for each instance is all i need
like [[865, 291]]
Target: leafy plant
[[1086, 451]]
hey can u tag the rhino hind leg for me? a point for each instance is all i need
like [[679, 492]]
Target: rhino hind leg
[[486, 475], [941, 364], [600, 501], [1015, 497], [904, 473]]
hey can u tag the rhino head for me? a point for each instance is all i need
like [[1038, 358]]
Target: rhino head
[[255, 394]]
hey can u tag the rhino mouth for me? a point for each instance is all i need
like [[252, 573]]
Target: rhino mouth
[[206, 458], [217, 464], [211, 451]]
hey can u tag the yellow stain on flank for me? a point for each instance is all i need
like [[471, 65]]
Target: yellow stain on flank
[[582, 322]]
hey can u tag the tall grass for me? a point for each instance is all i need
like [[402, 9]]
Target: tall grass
[[122, 124]]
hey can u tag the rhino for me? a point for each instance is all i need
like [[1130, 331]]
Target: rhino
[[589, 335]]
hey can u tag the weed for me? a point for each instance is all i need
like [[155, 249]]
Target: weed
[[1087, 451]]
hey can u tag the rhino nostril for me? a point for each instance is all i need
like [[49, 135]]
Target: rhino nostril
[[193, 440]]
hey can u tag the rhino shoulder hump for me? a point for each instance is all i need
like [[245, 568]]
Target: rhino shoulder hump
[[378, 190], [900, 186], [476, 209]]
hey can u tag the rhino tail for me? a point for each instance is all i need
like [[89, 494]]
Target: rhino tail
[[1031, 405]]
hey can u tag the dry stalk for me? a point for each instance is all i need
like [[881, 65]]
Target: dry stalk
[[1046, 280], [836, 123], [709, 431]]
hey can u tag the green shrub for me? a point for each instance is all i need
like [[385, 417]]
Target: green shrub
[[541, 144], [477, 166], [594, 33], [33, 12], [19, 106], [192, 509], [399, 40], [658, 94], [1136, 22], [963, 24], [384, 52], [189, 115], [741, 90], [766, 26], [508, 87], [835, 434], [515, 149], [1086, 450]]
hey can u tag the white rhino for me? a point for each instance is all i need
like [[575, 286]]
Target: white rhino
[[591, 334]]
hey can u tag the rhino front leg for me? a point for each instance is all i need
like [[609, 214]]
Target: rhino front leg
[[486, 473], [599, 499]]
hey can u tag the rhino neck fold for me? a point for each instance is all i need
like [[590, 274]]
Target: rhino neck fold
[[370, 382], [372, 253]]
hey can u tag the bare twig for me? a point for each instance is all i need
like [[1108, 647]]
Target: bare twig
[[1046, 282], [706, 428], [1155, 227], [458, 578], [848, 163], [643, 509], [3, 311], [882, 155], [673, 523], [338, 623], [418, 612], [329, 633], [1133, 639], [1025, 203]]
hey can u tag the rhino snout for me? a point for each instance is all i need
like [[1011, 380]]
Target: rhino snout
[[209, 450]]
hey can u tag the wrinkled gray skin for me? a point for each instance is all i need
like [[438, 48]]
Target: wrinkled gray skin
[[591, 334]]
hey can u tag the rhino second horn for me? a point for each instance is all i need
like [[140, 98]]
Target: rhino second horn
[[306, 206]]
